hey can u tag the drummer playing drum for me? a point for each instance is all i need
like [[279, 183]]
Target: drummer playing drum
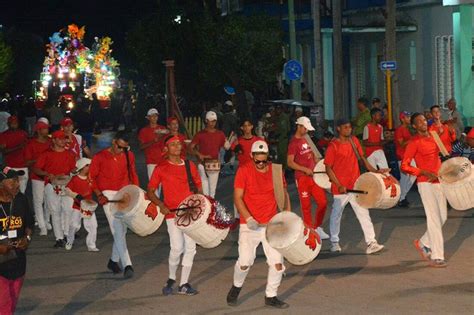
[[172, 175], [255, 199], [342, 167]]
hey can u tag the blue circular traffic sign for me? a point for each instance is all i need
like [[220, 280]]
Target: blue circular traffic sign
[[293, 70]]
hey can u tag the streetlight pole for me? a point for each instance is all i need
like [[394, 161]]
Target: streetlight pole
[[295, 84]]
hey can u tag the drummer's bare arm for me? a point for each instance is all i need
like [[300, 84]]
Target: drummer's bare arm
[[193, 149], [293, 165], [70, 193], [145, 145], [87, 152], [240, 204], [151, 193], [333, 179], [287, 201]]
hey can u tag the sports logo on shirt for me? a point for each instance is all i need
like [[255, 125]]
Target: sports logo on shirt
[[304, 194]]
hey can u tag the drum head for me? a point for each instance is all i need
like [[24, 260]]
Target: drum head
[[129, 196], [368, 182], [322, 180], [89, 205], [196, 205], [283, 229], [455, 169]]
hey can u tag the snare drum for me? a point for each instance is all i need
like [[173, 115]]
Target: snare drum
[[212, 165], [59, 184], [456, 176], [383, 191], [88, 208]]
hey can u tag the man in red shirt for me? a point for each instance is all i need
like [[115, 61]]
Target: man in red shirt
[[242, 145], [51, 165], [173, 127], [402, 138], [343, 170], [255, 199], [206, 145], [112, 169], [171, 174], [74, 142], [302, 159], [150, 138], [34, 148], [423, 149], [446, 132], [12, 144], [373, 140]]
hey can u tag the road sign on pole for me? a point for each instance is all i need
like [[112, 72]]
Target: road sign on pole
[[388, 65]]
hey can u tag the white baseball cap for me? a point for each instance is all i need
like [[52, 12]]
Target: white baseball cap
[[211, 116], [82, 162], [43, 120], [152, 111], [229, 103], [305, 122], [259, 147], [298, 109]]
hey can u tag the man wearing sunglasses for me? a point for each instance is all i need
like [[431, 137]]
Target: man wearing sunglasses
[[255, 199], [111, 169]]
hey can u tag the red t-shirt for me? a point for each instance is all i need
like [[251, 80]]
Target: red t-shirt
[[73, 145], [258, 192], [401, 133], [341, 157], [81, 186], [426, 154], [154, 153], [471, 133], [110, 172], [56, 163], [174, 182], [446, 137], [33, 150], [209, 143], [244, 155], [372, 133], [11, 139], [304, 156]]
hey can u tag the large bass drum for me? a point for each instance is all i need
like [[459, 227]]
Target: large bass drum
[[320, 177], [383, 191], [456, 176]]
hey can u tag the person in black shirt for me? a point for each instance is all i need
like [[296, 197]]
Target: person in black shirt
[[16, 228]]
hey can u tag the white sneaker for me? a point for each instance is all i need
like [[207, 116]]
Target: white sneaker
[[335, 248], [49, 226], [68, 246], [95, 249], [43, 232], [323, 235], [373, 248]]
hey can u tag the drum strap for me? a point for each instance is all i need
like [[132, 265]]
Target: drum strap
[[192, 185], [313, 146], [278, 189], [362, 167]]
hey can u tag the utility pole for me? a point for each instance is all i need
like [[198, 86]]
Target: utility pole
[[391, 51], [339, 111], [295, 84], [318, 82]]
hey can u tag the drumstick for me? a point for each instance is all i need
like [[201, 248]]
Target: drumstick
[[320, 172], [120, 200], [439, 143], [355, 191], [184, 208]]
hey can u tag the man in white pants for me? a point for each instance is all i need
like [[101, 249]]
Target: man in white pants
[[343, 170], [111, 169], [373, 140], [173, 176], [206, 145], [423, 149], [255, 199], [402, 138], [52, 165], [34, 148]]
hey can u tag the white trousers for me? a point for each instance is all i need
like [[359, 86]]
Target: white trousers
[[90, 224], [209, 181], [180, 244], [23, 179], [378, 159], [149, 169], [406, 181], [248, 243], [362, 214], [119, 233], [60, 208], [42, 213], [436, 210]]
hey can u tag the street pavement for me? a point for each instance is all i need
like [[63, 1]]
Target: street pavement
[[396, 281]]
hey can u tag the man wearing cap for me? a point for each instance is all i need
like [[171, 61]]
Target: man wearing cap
[[373, 140], [74, 142], [206, 145], [302, 159], [402, 138], [53, 165], [16, 228], [172, 175], [12, 144], [362, 118], [255, 199], [343, 170], [112, 169], [150, 138], [34, 148]]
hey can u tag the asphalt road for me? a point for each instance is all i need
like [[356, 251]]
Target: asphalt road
[[393, 282]]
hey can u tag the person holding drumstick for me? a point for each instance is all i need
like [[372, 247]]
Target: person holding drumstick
[[342, 166], [255, 199], [423, 149], [173, 176]]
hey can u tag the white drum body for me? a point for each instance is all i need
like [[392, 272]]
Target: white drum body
[[456, 176], [383, 191], [194, 222], [322, 180], [88, 208], [59, 184], [137, 212], [287, 234]]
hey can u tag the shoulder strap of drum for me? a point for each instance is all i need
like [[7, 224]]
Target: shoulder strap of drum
[[192, 185], [128, 166], [355, 149]]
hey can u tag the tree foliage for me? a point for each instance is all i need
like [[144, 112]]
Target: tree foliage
[[6, 63]]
